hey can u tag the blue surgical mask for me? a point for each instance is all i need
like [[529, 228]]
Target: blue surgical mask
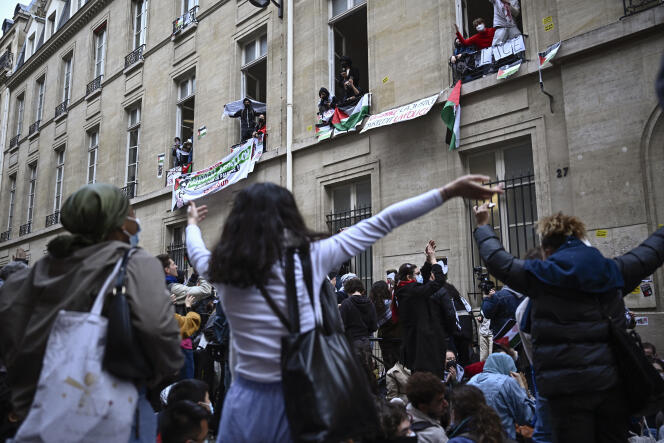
[[419, 278], [133, 238]]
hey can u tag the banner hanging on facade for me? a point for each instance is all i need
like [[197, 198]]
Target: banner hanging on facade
[[233, 168], [400, 114]]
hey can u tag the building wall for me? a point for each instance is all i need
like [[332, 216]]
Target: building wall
[[603, 123]]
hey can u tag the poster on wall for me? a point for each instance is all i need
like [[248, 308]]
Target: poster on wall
[[160, 165]]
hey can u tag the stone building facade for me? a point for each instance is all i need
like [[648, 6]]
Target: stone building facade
[[98, 89]]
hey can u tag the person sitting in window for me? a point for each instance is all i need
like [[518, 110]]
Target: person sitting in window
[[326, 102], [482, 39], [184, 156], [504, 12], [349, 78], [247, 119], [261, 130]]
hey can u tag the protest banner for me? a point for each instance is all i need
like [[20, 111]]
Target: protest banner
[[400, 114]]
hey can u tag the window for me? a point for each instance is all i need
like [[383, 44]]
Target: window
[[351, 202], [39, 106], [140, 14], [93, 147], [514, 216], [133, 139], [50, 27], [12, 200], [185, 107], [188, 5], [467, 11], [20, 110], [254, 69], [31, 45], [348, 37], [59, 173], [100, 50], [66, 78], [177, 248], [32, 187]]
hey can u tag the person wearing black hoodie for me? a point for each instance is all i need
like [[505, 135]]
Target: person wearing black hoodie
[[247, 119]]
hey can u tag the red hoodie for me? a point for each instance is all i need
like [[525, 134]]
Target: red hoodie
[[481, 40]]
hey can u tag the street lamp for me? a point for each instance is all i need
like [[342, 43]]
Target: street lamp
[[266, 3]]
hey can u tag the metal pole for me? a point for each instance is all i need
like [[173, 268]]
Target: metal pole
[[289, 96]]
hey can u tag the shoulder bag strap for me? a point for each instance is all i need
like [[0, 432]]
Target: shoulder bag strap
[[275, 309], [305, 259], [291, 292]]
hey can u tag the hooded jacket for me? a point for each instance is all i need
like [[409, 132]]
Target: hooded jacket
[[359, 316], [504, 394], [31, 299], [573, 292]]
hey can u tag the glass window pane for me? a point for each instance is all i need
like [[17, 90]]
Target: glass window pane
[[131, 173], [132, 156], [133, 138], [484, 164], [263, 45], [359, 2], [518, 161], [339, 6], [341, 199], [363, 194], [250, 52]]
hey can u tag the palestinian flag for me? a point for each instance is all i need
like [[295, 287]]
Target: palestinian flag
[[324, 128], [546, 56], [451, 115], [510, 330], [508, 70], [348, 117], [202, 132]]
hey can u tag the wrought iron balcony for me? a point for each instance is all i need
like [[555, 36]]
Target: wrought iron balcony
[[130, 190], [13, 142], [61, 108], [634, 6], [134, 56], [6, 60], [34, 127], [25, 229], [93, 85], [53, 219], [185, 20], [4, 236]]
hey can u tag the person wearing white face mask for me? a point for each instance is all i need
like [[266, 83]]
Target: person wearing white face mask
[[482, 39], [423, 341]]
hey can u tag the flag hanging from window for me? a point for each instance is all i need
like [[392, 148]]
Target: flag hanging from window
[[548, 54], [348, 117], [508, 70], [451, 115]]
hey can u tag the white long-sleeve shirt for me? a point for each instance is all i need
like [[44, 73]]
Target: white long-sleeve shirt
[[256, 330], [503, 15]]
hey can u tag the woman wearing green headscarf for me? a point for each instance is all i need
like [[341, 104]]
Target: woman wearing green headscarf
[[102, 227]]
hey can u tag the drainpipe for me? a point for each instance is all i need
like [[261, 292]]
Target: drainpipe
[[289, 96]]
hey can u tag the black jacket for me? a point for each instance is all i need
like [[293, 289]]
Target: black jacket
[[247, 119], [571, 352], [423, 337], [359, 316], [444, 300]]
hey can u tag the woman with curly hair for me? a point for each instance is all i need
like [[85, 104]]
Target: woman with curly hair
[[574, 292], [473, 421]]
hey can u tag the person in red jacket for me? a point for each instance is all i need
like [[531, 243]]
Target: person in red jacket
[[482, 39]]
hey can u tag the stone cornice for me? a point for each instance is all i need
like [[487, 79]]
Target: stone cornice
[[57, 41]]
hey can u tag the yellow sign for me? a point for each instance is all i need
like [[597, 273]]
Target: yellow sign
[[548, 23], [386, 79], [309, 128], [601, 233], [636, 290]]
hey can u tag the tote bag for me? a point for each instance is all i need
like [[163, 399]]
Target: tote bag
[[76, 399]]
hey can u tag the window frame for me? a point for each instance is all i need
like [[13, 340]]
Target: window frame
[[51, 24], [139, 27], [133, 127], [12, 200], [20, 113], [32, 41], [93, 149], [100, 51], [59, 179], [190, 80], [67, 72], [32, 191], [41, 90], [332, 20], [259, 57], [184, 10]]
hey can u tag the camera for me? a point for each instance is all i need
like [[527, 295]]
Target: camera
[[485, 283], [450, 364]]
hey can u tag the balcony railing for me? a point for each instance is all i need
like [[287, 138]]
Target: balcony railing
[[130, 190], [53, 219], [93, 85], [634, 6], [6, 60], [472, 64], [61, 108], [34, 127], [185, 20], [134, 56], [4, 236], [13, 142], [25, 229]]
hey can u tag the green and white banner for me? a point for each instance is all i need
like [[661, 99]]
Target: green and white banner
[[233, 168]]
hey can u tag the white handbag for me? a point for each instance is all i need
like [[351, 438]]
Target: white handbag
[[76, 399]]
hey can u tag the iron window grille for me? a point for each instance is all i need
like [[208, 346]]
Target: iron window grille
[[513, 219], [61, 108], [185, 20], [34, 128], [178, 252], [25, 229], [53, 219], [5, 236], [13, 142], [362, 264], [93, 85], [6, 60], [134, 56], [130, 190], [632, 7]]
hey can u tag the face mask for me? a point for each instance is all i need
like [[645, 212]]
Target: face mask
[[419, 278], [480, 28], [133, 239]]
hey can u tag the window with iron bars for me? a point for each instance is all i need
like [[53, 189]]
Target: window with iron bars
[[177, 248], [514, 215], [351, 203]]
